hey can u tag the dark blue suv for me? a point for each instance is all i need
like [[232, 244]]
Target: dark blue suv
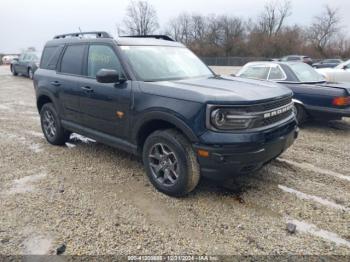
[[153, 97]]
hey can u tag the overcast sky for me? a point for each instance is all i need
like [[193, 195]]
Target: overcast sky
[[27, 23]]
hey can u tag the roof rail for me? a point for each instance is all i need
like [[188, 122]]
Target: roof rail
[[162, 37], [98, 34]]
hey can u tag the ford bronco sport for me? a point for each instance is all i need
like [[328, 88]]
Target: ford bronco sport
[[153, 97]]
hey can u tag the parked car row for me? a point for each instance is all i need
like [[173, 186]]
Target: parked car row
[[326, 63]]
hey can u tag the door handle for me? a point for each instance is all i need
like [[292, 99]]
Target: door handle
[[55, 83], [87, 89]]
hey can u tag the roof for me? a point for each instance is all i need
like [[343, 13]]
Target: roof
[[102, 37], [146, 41]]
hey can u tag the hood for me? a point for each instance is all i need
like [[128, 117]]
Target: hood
[[218, 90]]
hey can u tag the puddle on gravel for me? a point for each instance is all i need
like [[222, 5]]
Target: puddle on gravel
[[314, 169], [37, 245], [34, 147], [317, 199], [313, 230], [25, 184], [35, 134], [4, 107]]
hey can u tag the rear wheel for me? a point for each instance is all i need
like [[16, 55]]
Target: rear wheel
[[170, 162], [13, 71], [51, 126], [300, 113]]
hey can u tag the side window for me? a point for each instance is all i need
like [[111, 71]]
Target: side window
[[50, 57], [259, 72], [72, 60], [102, 57], [26, 57], [276, 74], [21, 57]]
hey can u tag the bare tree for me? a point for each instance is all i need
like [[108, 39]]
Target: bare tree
[[231, 28], [199, 27], [180, 28], [141, 19], [324, 29], [272, 19]]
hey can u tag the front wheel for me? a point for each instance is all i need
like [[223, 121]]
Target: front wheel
[[13, 71], [51, 125], [170, 163]]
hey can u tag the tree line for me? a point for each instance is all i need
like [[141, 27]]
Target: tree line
[[267, 35]]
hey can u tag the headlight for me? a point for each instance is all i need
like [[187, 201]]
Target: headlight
[[228, 119]]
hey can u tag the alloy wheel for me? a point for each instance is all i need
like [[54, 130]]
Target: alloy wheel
[[49, 124], [164, 164]]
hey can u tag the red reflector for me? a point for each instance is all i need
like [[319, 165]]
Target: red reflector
[[341, 101]]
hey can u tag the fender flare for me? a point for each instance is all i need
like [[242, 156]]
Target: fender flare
[[50, 96], [171, 118]]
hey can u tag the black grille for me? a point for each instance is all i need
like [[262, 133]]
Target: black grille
[[269, 105], [275, 119], [261, 121]]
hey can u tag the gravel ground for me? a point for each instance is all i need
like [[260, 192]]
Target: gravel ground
[[97, 200]]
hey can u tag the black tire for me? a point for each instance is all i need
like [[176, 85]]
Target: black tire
[[30, 73], [13, 71], [53, 131], [300, 113], [181, 152]]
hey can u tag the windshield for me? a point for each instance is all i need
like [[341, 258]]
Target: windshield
[[306, 73], [159, 63]]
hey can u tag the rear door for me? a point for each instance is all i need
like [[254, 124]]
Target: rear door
[[68, 78], [105, 107]]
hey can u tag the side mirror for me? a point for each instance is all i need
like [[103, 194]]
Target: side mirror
[[107, 76], [15, 59], [345, 67]]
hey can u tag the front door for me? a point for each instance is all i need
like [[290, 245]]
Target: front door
[[105, 107], [21, 66]]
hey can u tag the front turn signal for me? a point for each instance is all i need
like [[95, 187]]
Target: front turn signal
[[203, 153]]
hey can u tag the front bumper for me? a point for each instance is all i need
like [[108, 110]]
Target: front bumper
[[252, 153]]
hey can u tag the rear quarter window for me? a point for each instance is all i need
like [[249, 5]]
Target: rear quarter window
[[50, 57]]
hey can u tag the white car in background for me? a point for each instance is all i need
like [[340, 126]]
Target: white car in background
[[340, 73], [7, 59]]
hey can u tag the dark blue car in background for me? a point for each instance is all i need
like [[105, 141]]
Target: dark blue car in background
[[313, 96]]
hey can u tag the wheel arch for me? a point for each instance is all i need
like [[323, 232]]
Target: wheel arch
[[157, 121], [44, 99]]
